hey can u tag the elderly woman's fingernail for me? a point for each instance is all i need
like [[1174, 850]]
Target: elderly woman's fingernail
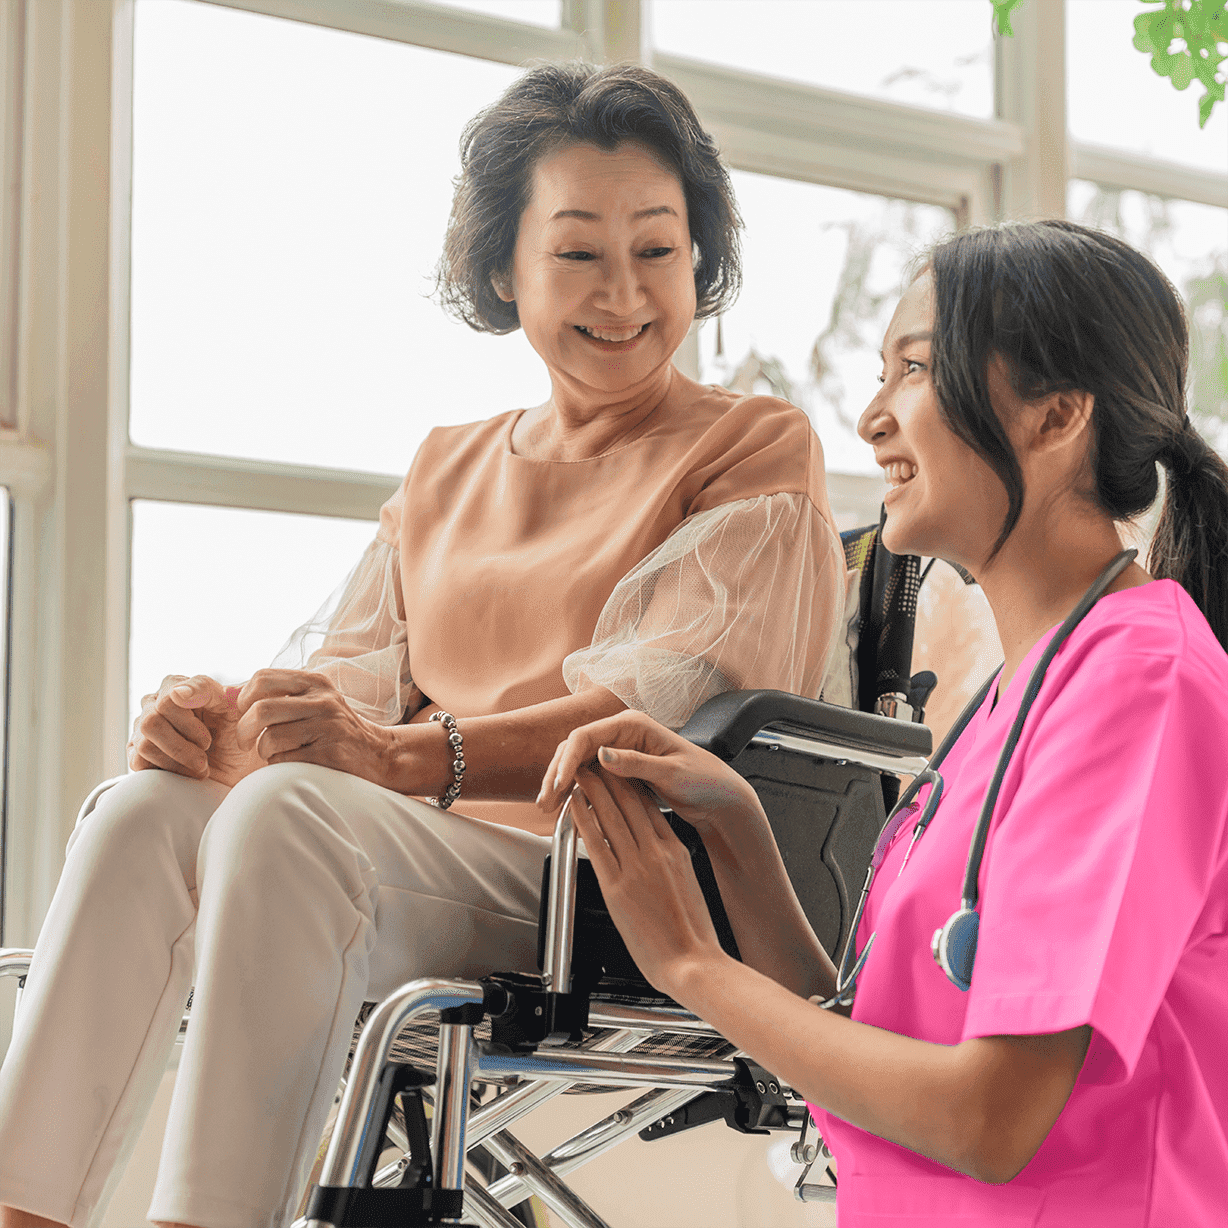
[[606, 755], [183, 692]]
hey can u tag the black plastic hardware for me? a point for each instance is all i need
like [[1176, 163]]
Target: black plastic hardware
[[414, 1201], [534, 1016], [352, 1207], [919, 692], [754, 1105], [494, 1001]]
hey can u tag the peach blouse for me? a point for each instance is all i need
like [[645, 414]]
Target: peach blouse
[[698, 557]]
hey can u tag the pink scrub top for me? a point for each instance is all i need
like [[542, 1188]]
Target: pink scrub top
[[1104, 901]]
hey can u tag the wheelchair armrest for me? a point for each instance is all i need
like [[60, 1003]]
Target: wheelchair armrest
[[726, 724]]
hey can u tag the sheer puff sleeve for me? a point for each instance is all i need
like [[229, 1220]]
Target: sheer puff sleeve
[[749, 594], [357, 639]]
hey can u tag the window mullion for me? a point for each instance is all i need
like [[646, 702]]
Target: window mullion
[[191, 477], [1030, 91], [426, 25]]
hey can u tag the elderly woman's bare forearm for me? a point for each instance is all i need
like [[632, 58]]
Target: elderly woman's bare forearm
[[506, 754]]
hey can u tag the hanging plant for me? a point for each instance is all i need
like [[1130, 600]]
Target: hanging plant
[[1183, 38]]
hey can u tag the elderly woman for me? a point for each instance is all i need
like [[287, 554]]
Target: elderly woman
[[637, 541]]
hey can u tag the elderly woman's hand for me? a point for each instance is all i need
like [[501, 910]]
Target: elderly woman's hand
[[188, 727], [694, 784], [294, 716], [646, 879]]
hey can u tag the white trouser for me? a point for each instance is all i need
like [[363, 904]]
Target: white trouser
[[295, 896]]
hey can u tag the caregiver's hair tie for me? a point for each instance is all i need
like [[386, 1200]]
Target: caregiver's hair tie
[[457, 744]]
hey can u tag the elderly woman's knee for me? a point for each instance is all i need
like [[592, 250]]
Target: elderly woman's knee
[[144, 812], [275, 811]]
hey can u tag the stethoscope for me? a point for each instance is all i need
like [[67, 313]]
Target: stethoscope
[[954, 944]]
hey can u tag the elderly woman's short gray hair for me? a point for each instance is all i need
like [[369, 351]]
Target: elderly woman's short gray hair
[[555, 105]]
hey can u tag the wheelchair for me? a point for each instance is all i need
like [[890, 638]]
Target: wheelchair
[[826, 775]]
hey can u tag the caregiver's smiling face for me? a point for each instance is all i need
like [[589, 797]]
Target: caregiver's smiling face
[[954, 506], [602, 272]]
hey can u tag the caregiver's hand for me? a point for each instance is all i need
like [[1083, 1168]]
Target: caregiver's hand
[[294, 716], [188, 728], [647, 880], [694, 784]]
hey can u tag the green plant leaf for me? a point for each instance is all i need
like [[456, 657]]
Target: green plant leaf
[[1142, 32], [1201, 25], [1002, 10], [1182, 72]]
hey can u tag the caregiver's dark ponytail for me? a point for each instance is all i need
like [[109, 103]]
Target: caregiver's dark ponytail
[[1070, 308]]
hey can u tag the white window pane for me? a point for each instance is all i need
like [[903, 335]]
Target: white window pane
[[1114, 98], [1190, 243], [823, 269], [938, 54], [218, 591], [534, 12], [291, 187]]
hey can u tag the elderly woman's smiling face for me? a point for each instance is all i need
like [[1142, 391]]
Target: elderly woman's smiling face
[[602, 274]]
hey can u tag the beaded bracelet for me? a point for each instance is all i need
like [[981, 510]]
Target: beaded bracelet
[[457, 745]]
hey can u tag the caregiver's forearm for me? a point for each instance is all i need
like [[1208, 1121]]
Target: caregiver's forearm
[[506, 755], [764, 912], [982, 1107]]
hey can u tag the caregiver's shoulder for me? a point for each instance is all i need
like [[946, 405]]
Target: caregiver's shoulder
[[1157, 621]]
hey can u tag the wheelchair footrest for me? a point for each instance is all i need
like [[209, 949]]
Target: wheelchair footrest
[[754, 1105], [352, 1207]]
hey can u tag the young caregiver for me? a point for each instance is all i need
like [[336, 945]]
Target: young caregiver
[[1037, 1034]]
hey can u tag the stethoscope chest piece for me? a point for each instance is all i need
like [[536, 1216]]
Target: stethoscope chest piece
[[954, 946]]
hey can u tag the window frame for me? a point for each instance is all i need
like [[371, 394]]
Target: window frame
[[66, 143]]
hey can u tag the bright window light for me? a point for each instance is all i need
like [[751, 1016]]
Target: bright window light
[[936, 54], [291, 186], [218, 591], [823, 270]]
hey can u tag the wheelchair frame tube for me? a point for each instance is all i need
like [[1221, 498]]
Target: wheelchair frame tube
[[451, 1115], [909, 765], [596, 1140], [561, 914], [539, 1180], [514, 1104], [699, 1074], [481, 1207], [15, 961], [649, 1019], [349, 1151]]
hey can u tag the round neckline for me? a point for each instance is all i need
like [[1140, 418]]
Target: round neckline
[[636, 437]]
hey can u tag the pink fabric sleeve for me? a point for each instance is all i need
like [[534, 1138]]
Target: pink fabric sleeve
[[1098, 867], [750, 594]]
